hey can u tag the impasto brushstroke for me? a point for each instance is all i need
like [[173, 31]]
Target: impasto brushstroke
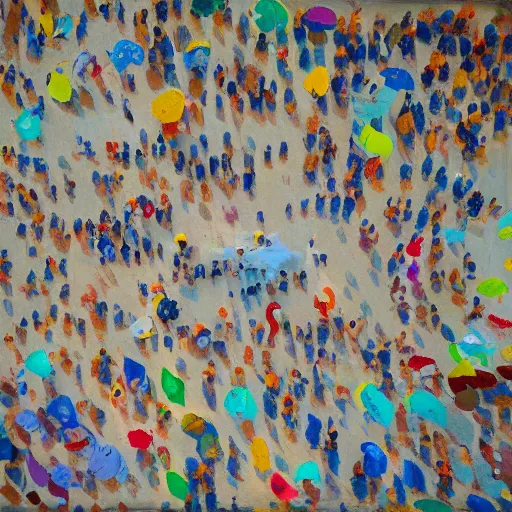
[[255, 255]]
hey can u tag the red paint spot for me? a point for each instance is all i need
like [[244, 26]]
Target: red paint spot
[[414, 247], [139, 439], [502, 323], [505, 371], [418, 362], [482, 380], [77, 446], [325, 307], [282, 489], [274, 326]]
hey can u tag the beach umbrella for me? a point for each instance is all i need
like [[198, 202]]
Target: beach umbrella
[[134, 370], [378, 405], [505, 226], [375, 142], [505, 371], [46, 22], [167, 309], [467, 399], [479, 504], [260, 454], [493, 287], [357, 395], [428, 505], [206, 8], [308, 471], [375, 462], [319, 18], [197, 56], [142, 328], [177, 485], [482, 380], [397, 79], [169, 106], [417, 362], [59, 85], [174, 387], [269, 15], [39, 363], [317, 82], [240, 403], [63, 26], [124, 53], [203, 337], [464, 375], [282, 489], [193, 424], [427, 406], [500, 323], [28, 125], [474, 346]]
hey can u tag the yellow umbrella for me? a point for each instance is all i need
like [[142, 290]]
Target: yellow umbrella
[[508, 264], [463, 369], [59, 86], [260, 454], [197, 44], [168, 107], [46, 23], [317, 82], [356, 395], [156, 300]]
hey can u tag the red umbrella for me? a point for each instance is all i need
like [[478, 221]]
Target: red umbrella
[[505, 371], [416, 363], [501, 323], [282, 489], [482, 380]]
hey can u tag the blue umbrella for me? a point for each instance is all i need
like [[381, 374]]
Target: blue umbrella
[[124, 53], [375, 462], [479, 504], [398, 79], [167, 309]]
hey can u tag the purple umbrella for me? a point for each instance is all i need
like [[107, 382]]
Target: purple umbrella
[[319, 18]]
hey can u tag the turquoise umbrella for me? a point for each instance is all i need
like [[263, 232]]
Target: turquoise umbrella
[[429, 407], [240, 404], [377, 405], [28, 125]]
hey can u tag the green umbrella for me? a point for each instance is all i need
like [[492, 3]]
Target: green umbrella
[[269, 15], [174, 387], [206, 8], [177, 485], [492, 287], [432, 506]]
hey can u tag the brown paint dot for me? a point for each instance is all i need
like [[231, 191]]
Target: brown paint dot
[[467, 400]]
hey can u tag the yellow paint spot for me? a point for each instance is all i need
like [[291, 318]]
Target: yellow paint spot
[[260, 454]]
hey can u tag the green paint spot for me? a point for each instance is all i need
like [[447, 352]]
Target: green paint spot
[[492, 287], [206, 8], [177, 485], [174, 387], [432, 506], [453, 350]]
